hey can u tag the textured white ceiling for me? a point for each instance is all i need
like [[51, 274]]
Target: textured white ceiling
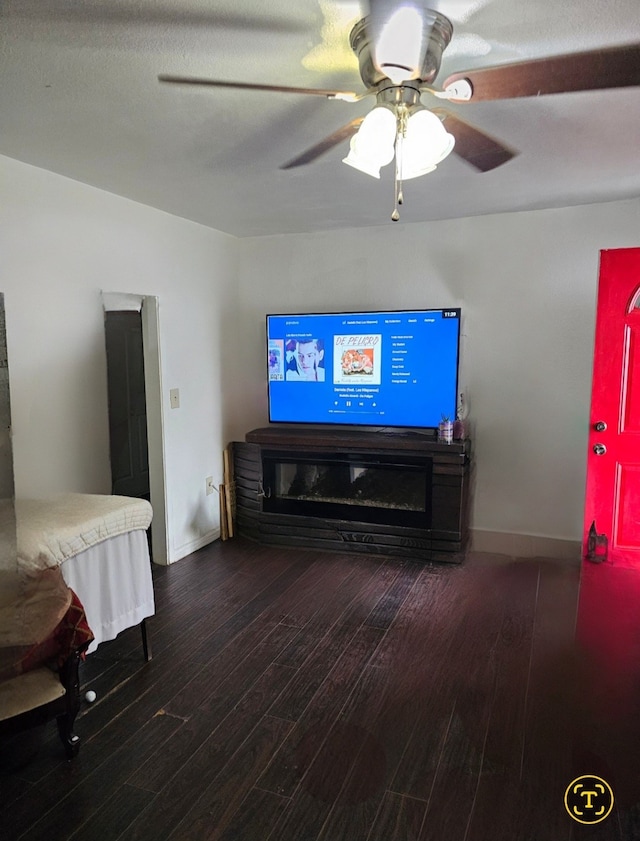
[[79, 96]]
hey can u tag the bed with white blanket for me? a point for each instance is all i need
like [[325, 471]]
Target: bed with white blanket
[[99, 542]]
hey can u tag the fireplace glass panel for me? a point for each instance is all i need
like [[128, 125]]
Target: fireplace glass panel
[[350, 489]]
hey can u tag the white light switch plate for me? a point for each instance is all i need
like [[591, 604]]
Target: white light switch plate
[[174, 397]]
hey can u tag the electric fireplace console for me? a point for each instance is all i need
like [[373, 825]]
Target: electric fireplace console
[[390, 493]]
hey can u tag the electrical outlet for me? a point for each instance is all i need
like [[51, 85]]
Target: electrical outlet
[[210, 487]]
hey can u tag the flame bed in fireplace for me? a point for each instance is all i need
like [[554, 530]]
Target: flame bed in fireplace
[[349, 487]]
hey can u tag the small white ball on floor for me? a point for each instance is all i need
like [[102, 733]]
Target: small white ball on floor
[[90, 696]]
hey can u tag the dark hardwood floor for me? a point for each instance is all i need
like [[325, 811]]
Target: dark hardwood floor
[[322, 697]]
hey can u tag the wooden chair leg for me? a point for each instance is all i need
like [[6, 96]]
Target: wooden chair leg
[[70, 741], [146, 641], [70, 679]]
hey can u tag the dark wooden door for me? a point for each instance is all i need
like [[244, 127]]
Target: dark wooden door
[[127, 405], [612, 505]]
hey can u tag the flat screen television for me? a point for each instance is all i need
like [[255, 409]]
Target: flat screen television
[[383, 369]]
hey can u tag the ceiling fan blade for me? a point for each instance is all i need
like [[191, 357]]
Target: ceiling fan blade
[[338, 136], [349, 96], [474, 146], [615, 67]]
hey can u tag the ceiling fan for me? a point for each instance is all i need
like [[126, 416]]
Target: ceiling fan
[[399, 57]]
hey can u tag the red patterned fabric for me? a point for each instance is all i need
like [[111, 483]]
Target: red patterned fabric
[[73, 631], [70, 633]]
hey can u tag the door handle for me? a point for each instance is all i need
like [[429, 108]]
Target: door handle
[[600, 426], [599, 449]]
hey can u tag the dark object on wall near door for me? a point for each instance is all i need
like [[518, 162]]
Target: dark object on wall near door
[[127, 404], [597, 546]]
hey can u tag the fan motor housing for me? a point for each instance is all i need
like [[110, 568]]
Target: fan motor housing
[[437, 32]]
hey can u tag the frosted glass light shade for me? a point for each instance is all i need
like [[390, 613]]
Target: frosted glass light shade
[[373, 145], [425, 144], [369, 167]]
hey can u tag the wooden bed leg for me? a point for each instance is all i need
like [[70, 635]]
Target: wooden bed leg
[[146, 641], [70, 679]]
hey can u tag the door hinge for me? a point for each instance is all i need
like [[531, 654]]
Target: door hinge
[[597, 546]]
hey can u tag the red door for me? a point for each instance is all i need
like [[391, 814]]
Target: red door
[[612, 505]]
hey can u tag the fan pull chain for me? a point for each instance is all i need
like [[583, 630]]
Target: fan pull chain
[[397, 181], [395, 215], [398, 198]]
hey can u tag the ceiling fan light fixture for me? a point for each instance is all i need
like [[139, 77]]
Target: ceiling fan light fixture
[[425, 144], [396, 72], [363, 164], [372, 146], [407, 168], [400, 44]]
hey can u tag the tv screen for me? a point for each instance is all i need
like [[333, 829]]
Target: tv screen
[[386, 369]]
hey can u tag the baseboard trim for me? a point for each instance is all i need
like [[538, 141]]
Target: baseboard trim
[[482, 540], [525, 545], [194, 545]]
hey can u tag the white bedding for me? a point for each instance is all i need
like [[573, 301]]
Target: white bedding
[[50, 531], [99, 543], [113, 581]]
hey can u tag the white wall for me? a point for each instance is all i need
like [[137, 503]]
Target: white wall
[[527, 285], [61, 244]]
